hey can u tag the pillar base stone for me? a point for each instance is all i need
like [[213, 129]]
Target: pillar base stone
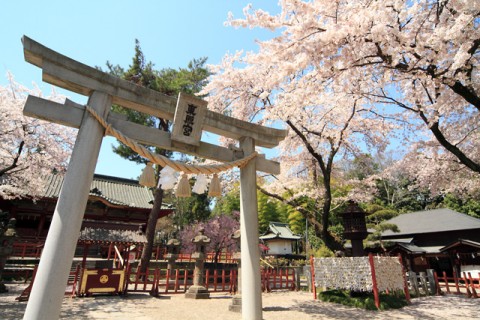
[[197, 292], [236, 305]]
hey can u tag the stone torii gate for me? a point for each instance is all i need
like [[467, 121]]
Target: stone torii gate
[[104, 90]]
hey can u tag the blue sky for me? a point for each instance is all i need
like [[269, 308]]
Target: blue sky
[[171, 33]]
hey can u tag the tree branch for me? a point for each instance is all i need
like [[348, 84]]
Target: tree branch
[[15, 160]]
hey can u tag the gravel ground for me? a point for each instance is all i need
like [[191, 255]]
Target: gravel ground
[[276, 305]]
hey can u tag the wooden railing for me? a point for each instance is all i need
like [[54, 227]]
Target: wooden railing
[[466, 284], [27, 250], [167, 281], [278, 279], [70, 289], [34, 250], [171, 281]]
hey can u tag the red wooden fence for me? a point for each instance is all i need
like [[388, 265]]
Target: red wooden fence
[[466, 284], [70, 289], [168, 281], [27, 250], [278, 279], [34, 249]]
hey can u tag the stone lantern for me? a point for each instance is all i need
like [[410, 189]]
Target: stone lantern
[[236, 305], [355, 227], [197, 290], [7, 237], [173, 249]]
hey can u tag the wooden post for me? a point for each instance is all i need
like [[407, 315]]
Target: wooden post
[[49, 288], [250, 256], [437, 284], [110, 248], [465, 280], [405, 284], [446, 281], [312, 276], [431, 281], [374, 281], [423, 282], [455, 280], [414, 282], [472, 285], [86, 246]]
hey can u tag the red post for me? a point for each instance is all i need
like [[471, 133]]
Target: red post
[[85, 253], [374, 281], [127, 279], [24, 250], [215, 282], [287, 273], [405, 284], [207, 275], [472, 285], [75, 280], [110, 248], [223, 279], [312, 272], [437, 283], [446, 281], [176, 280], [167, 281], [465, 280], [280, 276], [185, 278], [455, 280]]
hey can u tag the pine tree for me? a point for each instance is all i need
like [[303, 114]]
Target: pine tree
[[170, 82]]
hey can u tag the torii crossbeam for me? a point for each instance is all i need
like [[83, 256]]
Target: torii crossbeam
[[104, 90]]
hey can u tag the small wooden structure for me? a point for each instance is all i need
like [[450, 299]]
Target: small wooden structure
[[114, 247], [280, 240], [466, 256], [103, 281]]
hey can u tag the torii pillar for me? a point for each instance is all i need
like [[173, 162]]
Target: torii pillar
[[250, 256], [57, 256]]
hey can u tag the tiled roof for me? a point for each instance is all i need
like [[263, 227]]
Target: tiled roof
[[117, 191], [438, 220], [111, 236], [279, 230]]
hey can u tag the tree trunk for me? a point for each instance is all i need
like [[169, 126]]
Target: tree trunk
[[327, 195], [150, 230]]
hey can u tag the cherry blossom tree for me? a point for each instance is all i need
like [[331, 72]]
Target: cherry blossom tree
[[218, 228], [345, 75], [30, 148]]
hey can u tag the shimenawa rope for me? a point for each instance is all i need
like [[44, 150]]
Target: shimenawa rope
[[164, 161]]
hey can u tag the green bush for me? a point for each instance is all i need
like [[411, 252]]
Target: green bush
[[323, 252], [363, 300]]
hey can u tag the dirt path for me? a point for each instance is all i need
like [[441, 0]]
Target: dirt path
[[276, 306]]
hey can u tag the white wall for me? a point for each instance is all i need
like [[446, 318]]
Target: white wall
[[279, 246], [473, 269]]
